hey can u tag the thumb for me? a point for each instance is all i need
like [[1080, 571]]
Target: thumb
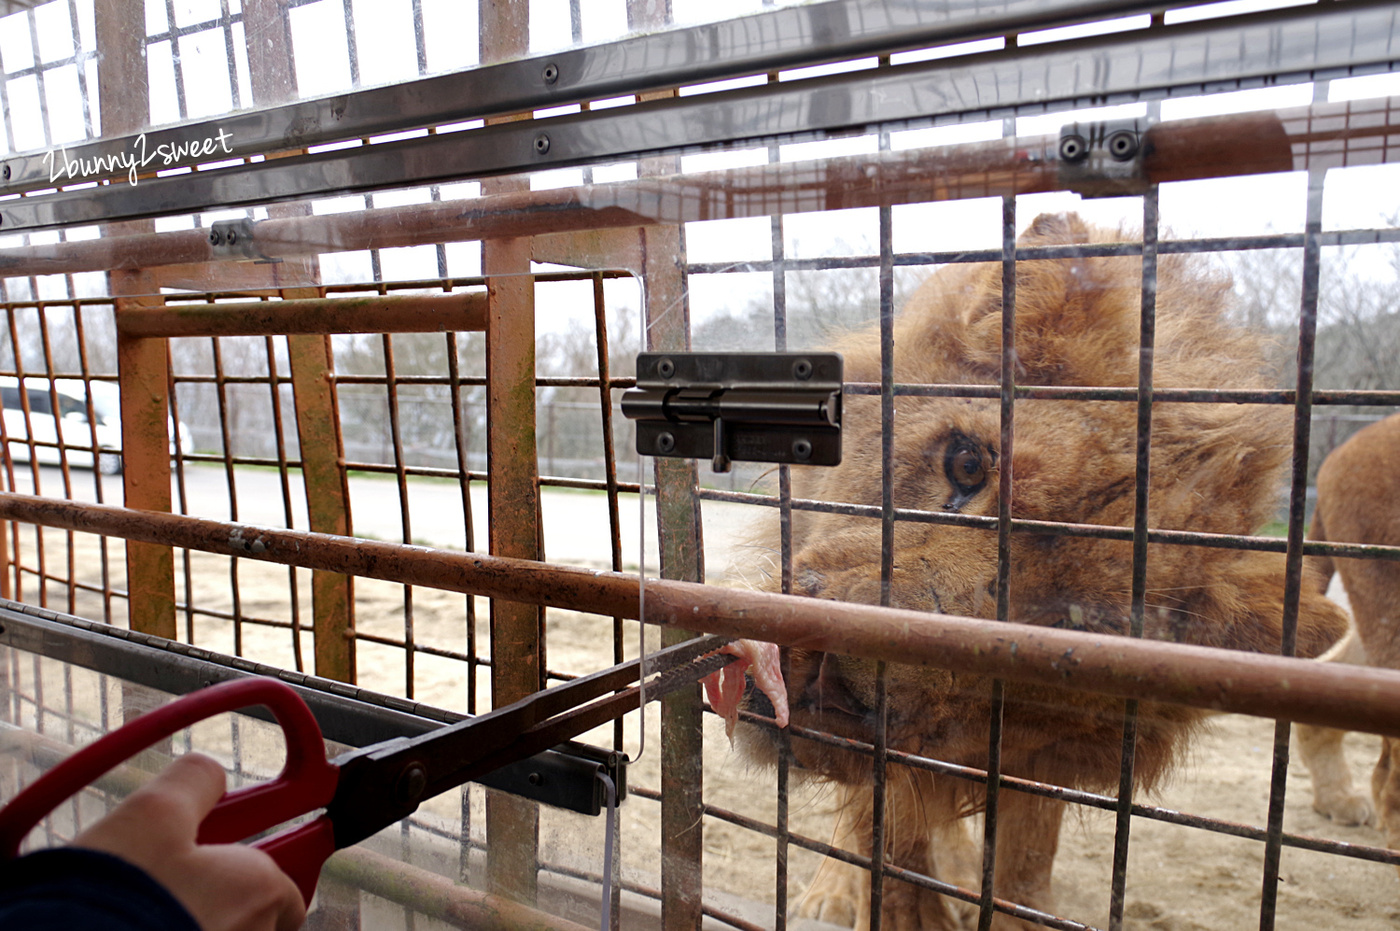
[[165, 811], [188, 789]]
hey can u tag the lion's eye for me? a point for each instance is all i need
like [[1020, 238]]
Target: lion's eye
[[966, 465], [966, 468]]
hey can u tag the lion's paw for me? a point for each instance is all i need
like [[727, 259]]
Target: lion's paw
[[1345, 808], [839, 895]]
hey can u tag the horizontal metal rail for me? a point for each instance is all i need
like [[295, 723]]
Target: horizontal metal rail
[[1303, 44], [1060, 528], [794, 36], [432, 313], [1305, 138], [1325, 694]]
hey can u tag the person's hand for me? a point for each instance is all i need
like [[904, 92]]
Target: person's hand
[[226, 887]]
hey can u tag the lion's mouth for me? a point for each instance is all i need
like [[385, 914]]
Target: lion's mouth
[[825, 700]]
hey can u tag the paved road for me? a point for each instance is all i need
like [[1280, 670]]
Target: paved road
[[576, 523]]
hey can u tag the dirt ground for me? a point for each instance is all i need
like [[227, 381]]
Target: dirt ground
[[1179, 879]]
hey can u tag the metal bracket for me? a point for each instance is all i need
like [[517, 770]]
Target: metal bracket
[[744, 406], [235, 239], [565, 777], [1104, 159]]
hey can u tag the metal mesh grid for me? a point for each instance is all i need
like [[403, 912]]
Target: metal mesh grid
[[394, 461]]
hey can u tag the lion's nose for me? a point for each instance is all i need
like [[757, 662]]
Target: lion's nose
[[809, 582]]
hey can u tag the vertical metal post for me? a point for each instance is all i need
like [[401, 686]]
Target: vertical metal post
[[312, 367], [1004, 491], [327, 497], [682, 558], [1147, 337], [1297, 508], [880, 763], [781, 824], [142, 364], [512, 825]]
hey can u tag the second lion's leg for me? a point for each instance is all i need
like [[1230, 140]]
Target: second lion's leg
[[1385, 787], [1028, 835], [1322, 754]]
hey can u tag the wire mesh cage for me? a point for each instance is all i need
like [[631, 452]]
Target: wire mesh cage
[[319, 321]]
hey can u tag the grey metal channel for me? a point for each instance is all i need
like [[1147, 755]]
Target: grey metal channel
[[565, 777], [1295, 45], [799, 35]]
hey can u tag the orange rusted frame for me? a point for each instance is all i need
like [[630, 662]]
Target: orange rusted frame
[[1326, 135], [433, 313], [1306, 691], [327, 499], [144, 368]]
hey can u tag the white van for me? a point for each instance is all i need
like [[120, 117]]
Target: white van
[[69, 425]]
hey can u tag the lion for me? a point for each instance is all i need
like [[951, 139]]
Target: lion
[[1358, 501], [1215, 467]]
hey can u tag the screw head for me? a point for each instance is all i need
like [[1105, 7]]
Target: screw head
[[535, 779], [1073, 147], [801, 450], [216, 238], [5, 172], [541, 144], [802, 369], [665, 443], [1122, 145], [232, 237], [551, 73], [665, 368], [412, 782]]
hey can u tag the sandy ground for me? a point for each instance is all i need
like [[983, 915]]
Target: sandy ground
[[1179, 879]]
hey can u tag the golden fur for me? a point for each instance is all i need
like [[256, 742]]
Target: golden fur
[[1215, 467], [1358, 501]]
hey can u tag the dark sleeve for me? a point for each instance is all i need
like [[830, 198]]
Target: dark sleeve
[[67, 887]]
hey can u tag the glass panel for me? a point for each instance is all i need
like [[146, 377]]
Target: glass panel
[[410, 336]]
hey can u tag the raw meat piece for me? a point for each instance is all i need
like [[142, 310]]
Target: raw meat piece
[[725, 688]]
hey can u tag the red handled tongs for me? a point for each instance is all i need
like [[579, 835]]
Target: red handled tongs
[[366, 790]]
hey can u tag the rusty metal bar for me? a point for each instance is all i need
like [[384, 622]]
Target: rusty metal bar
[[1297, 509], [517, 661], [1147, 337], [99, 493], [1095, 531], [464, 478], [230, 483], [327, 499], [1330, 695], [1007, 410], [1321, 135], [434, 313], [513, 503], [600, 336], [682, 557], [143, 364], [1161, 395], [437, 897], [145, 379], [280, 438], [878, 773], [391, 386]]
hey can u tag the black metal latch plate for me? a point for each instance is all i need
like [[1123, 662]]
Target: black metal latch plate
[[738, 406], [1104, 159]]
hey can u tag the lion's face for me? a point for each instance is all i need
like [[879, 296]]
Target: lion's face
[[1214, 467]]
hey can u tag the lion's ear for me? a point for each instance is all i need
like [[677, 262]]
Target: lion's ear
[[1076, 316], [1055, 229]]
